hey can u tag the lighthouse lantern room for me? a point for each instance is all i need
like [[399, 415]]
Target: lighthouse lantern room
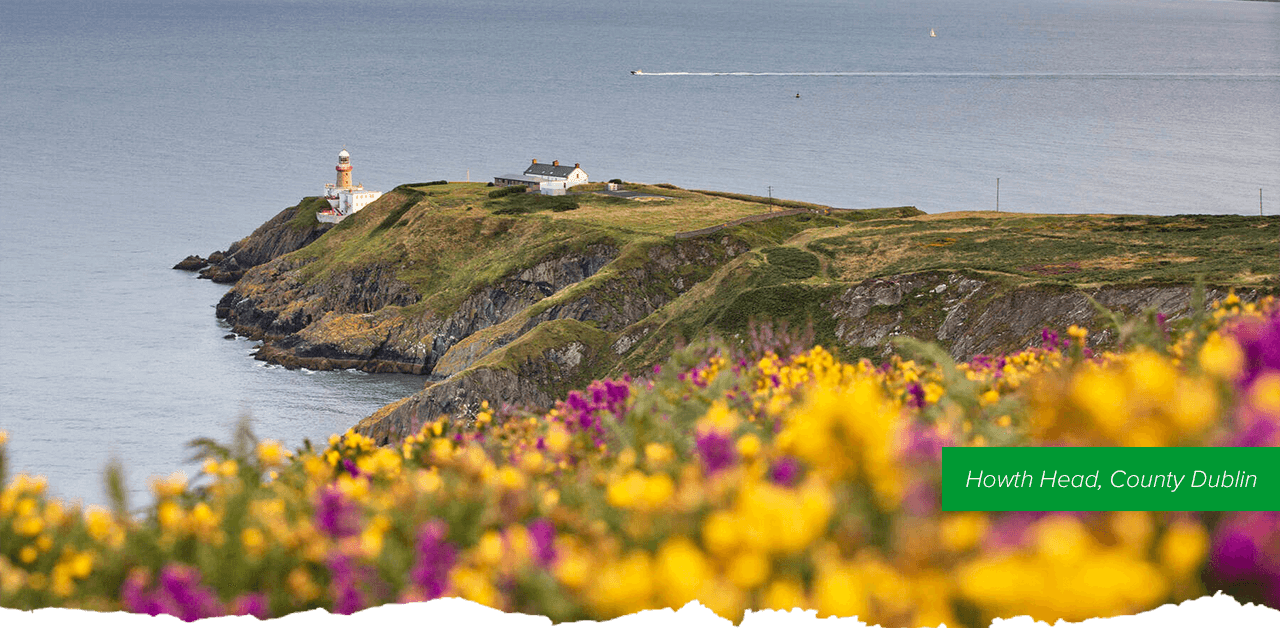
[[344, 198]]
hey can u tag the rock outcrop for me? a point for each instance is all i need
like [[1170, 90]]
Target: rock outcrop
[[970, 314], [356, 319], [288, 231]]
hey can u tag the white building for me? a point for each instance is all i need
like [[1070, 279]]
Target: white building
[[549, 178], [344, 198]]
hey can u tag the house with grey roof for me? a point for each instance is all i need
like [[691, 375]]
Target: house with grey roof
[[549, 178]]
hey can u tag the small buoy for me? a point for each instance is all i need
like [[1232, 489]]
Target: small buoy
[[797, 94]]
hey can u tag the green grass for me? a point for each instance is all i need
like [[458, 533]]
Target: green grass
[[529, 203], [792, 263], [1076, 250], [393, 218], [305, 216], [797, 304]]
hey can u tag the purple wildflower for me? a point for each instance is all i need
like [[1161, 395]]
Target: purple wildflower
[[716, 450], [924, 444], [343, 585], [1050, 338], [1247, 548], [543, 534], [1257, 432], [584, 412], [1234, 554], [251, 604], [335, 516], [435, 558], [192, 600], [1010, 530], [178, 593], [785, 471], [922, 500], [576, 402], [1261, 344], [351, 467], [915, 392], [134, 596]]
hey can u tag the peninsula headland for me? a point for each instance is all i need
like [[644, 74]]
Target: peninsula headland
[[518, 298]]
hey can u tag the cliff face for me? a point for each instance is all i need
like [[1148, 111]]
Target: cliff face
[[534, 357], [971, 315], [286, 232], [358, 318]]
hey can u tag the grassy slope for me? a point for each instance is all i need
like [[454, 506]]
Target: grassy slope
[[1082, 251], [446, 241]]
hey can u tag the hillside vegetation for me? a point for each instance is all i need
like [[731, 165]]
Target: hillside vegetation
[[533, 296], [774, 478]]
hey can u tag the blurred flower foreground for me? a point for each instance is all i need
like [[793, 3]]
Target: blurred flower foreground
[[766, 476]]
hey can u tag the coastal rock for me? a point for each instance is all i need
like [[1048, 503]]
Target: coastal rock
[[972, 315], [531, 373], [191, 262], [288, 231], [458, 398]]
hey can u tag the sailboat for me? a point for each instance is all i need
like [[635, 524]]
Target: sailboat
[[932, 34]]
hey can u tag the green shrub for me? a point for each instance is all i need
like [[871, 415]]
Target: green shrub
[[508, 191], [793, 263], [529, 203], [616, 181], [798, 304]]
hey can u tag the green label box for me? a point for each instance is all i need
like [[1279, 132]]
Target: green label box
[[1110, 478]]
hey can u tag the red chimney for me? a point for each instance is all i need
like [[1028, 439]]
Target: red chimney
[[577, 165], [556, 162], [535, 161]]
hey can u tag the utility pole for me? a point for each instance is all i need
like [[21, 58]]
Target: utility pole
[[1259, 201], [771, 198], [997, 194]]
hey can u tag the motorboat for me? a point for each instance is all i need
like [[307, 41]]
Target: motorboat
[[637, 71]]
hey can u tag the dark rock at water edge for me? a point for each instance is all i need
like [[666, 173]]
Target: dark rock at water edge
[[191, 262], [274, 238]]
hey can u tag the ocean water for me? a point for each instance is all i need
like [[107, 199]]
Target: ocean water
[[136, 132]]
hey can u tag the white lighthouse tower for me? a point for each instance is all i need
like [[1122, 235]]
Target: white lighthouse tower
[[344, 198]]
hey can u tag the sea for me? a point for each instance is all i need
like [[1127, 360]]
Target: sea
[[136, 132]]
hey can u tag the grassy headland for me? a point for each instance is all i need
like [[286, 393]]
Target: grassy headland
[[455, 246]]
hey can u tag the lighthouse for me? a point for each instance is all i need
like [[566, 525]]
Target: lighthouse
[[344, 170], [344, 198]]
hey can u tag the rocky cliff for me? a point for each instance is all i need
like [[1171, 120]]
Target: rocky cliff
[[288, 231], [970, 314]]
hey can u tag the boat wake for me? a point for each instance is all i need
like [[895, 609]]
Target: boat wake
[[993, 75]]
